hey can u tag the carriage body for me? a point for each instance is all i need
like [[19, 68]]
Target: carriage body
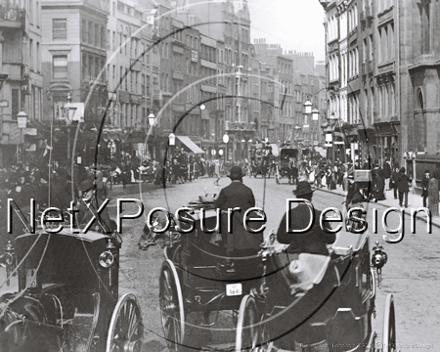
[[198, 276], [341, 300], [283, 168], [68, 297]]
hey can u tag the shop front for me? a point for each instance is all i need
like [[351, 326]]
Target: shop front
[[388, 141]]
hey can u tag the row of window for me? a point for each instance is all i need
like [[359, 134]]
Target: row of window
[[386, 47], [352, 18], [285, 68], [92, 66], [91, 33], [348, 109]]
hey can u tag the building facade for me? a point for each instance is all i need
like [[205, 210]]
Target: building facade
[[21, 82], [73, 59]]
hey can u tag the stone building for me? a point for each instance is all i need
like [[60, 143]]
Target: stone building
[[73, 58], [21, 82]]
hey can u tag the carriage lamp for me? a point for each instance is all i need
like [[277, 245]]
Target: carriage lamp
[[106, 259], [379, 257]]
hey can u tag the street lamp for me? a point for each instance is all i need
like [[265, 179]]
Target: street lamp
[[172, 139], [226, 141], [21, 124], [307, 107], [315, 115], [152, 120], [297, 129]]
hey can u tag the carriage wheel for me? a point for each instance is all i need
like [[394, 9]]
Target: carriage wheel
[[248, 334], [173, 253], [126, 328], [389, 326], [171, 306]]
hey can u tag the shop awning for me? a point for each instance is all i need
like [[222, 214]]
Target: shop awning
[[190, 144]]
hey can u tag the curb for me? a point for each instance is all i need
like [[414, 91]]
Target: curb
[[424, 219]]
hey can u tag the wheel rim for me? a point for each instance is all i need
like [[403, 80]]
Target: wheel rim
[[248, 332], [389, 328], [170, 310], [126, 326]]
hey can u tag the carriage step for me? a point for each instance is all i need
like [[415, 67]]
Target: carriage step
[[224, 347]]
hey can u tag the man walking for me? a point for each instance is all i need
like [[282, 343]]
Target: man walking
[[425, 185], [403, 186]]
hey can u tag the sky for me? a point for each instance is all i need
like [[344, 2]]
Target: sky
[[295, 24]]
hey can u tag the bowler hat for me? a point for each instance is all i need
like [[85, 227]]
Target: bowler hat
[[426, 171], [236, 173], [303, 188], [86, 185]]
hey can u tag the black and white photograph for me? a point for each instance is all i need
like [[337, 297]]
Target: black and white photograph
[[219, 175]]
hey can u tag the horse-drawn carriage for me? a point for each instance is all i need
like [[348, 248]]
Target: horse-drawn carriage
[[262, 161], [274, 294], [283, 168], [67, 297], [197, 276]]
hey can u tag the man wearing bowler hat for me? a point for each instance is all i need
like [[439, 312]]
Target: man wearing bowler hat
[[88, 208], [313, 241], [241, 243]]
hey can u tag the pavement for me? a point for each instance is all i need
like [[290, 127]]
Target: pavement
[[415, 202]]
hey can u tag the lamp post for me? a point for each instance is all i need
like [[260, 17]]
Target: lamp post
[[172, 142], [22, 123], [152, 123], [328, 129], [297, 129], [152, 120], [226, 141]]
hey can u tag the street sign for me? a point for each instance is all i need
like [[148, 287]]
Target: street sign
[[4, 103]]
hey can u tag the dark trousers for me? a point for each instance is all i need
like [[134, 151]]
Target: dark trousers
[[425, 196], [401, 194]]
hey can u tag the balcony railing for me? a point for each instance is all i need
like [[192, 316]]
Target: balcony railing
[[11, 14]]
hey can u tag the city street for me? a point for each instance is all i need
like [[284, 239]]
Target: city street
[[411, 274]]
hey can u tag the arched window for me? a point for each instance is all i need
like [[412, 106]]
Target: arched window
[[355, 15], [393, 101], [420, 123]]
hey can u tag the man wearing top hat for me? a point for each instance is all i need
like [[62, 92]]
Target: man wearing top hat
[[242, 242], [88, 208]]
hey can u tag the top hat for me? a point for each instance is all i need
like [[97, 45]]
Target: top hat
[[236, 173], [303, 188], [86, 185]]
